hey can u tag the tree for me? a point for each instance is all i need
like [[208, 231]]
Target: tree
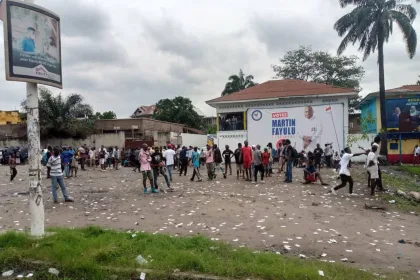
[[418, 82], [108, 115], [179, 110], [212, 129], [63, 117], [320, 67], [238, 82], [371, 23]]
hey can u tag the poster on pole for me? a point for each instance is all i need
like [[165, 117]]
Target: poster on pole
[[32, 44], [304, 126]]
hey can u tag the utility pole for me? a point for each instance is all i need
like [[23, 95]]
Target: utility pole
[[36, 205]]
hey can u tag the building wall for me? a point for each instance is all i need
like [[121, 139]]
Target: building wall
[[231, 138], [143, 124], [371, 107], [9, 117], [354, 124], [95, 140], [407, 150], [286, 102]]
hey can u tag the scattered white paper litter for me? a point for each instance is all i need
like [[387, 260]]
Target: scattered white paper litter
[[321, 273]]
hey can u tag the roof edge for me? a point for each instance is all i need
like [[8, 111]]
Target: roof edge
[[210, 102]]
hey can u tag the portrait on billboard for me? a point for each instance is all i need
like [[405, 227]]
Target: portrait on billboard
[[33, 50], [403, 114]]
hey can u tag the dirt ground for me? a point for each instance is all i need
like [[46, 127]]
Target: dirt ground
[[290, 219]]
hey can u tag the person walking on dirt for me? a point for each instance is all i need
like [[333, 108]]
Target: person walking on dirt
[[183, 159], [157, 164], [227, 155], [288, 156], [209, 156], [196, 164], [12, 166], [247, 157], [145, 167], [239, 162], [218, 160], [377, 142], [258, 164], [57, 176], [372, 167], [344, 171]]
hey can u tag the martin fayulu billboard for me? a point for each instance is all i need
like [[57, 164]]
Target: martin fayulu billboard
[[303, 126]]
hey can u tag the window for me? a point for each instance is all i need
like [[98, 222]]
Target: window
[[231, 121], [351, 125]]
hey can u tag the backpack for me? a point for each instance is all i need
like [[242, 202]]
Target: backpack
[[295, 154], [217, 156]]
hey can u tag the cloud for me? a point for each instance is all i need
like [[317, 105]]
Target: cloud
[[120, 56]]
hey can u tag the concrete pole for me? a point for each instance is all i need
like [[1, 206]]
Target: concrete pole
[[36, 205]]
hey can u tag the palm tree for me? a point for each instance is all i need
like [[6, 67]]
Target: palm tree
[[238, 82], [371, 24], [63, 117]]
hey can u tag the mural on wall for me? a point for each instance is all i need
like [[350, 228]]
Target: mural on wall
[[403, 114]]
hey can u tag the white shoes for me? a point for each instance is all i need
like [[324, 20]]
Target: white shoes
[[333, 191]]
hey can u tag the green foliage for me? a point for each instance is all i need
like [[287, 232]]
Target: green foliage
[[63, 117], [238, 82], [365, 122], [94, 253], [320, 67], [212, 129], [179, 110], [108, 115], [371, 23]]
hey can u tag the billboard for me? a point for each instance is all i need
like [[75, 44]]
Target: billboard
[[403, 114], [303, 126], [32, 44]]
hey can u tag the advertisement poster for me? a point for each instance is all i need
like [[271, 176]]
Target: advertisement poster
[[403, 114], [303, 126], [32, 44]]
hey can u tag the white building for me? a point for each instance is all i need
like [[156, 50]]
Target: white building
[[306, 113]]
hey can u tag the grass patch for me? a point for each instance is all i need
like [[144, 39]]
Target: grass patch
[[404, 182], [413, 170], [83, 254], [401, 203]]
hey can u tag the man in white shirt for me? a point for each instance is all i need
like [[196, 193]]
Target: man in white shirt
[[377, 142], [416, 155], [311, 130], [169, 155], [344, 171]]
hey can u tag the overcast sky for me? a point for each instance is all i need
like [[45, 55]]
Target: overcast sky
[[123, 54]]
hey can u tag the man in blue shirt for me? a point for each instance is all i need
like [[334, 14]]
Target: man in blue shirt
[[196, 163], [28, 43], [184, 161]]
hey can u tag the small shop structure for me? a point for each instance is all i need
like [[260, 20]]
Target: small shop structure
[[402, 117], [307, 113]]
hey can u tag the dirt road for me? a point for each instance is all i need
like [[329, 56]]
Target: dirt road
[[292, 219]]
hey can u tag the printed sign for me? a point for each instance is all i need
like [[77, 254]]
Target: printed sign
[[303, 126], [403, 114], [32, 44]]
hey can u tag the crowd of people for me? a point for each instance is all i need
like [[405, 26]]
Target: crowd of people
[[252, 162]]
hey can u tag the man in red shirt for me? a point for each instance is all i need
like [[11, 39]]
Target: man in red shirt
[[247, 156]]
